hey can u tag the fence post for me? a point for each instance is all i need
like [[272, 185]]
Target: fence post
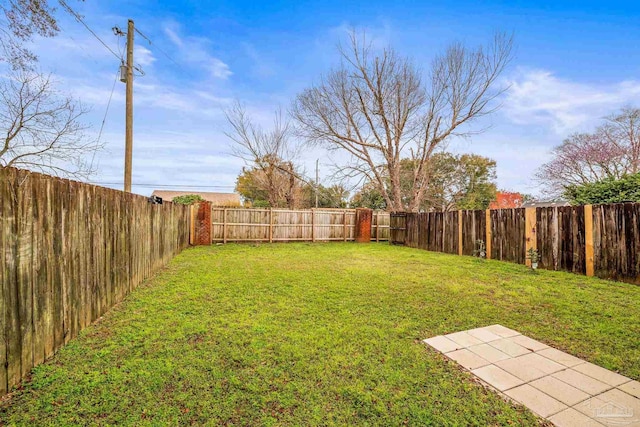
[[377, 226], [224, 225], [344, 231], [270, 225], [313, 225], [459, 232], [363, 225], [530, 232], [487, 243], [588, 239], [201, 224], [192, 225]]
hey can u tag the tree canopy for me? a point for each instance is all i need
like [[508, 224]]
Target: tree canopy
[[608, 190], [464, 181]]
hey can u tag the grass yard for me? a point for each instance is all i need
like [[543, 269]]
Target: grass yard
[[318, 334]]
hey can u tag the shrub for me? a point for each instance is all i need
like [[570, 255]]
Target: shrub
[[188, 199], [625, 189]]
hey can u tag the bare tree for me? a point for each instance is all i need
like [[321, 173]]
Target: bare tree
[[622, 130], [22, 19], [41, 129], [611, 151], [378, 109], [269, 152]]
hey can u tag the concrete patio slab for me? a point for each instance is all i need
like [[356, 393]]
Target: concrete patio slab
[[572, 418], [539, 402], [601, 374], [484, 335], [632, 388], [497, 378], [502, 331], [442, 344], [467, 359], [528, 343], [489, 353], [509, 347], [555, 385], [464, 339], [581, 381], [560, 357], [614, 407], [530, 366], [559, 390]]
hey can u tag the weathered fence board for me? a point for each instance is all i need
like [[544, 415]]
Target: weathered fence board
[[70, 251], [433, 231], [288, 225], [473, 229], [560, 238], [616, 241], [508, 240], [397, 228], [601, 240]]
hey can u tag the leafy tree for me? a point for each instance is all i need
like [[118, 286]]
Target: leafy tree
[[250, 190], [455, 182], [368, 197], [464, 181], [269, 185], [335, 196], [188, 199], [608, 190]]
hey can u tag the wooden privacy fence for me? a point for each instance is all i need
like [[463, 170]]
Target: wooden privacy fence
[[285, 225], [600, 240], [70, 251]]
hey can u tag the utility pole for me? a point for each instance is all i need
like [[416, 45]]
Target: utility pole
[[128, 149], [317, 179]]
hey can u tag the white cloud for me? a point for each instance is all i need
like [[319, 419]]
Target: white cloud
[[195, 50], [538, 97], [143, 56]]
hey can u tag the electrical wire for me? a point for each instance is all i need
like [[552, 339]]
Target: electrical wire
[[104, 119], [157, 47], [164, 185], [80, 20]]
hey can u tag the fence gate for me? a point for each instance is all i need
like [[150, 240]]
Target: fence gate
[[397, 228]]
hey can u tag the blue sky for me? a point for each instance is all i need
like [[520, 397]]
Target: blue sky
[[575, 63]]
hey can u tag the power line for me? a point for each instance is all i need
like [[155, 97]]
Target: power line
[[104, 119], [164, 185], [80, 20], [157, 47]]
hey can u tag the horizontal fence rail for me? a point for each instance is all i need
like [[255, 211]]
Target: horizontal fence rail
[[598, 240], [70, 251], [289, 225]]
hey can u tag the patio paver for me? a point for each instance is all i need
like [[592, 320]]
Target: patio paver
[[562, 388]]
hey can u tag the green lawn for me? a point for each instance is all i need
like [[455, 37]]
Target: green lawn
[[318, 334]]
